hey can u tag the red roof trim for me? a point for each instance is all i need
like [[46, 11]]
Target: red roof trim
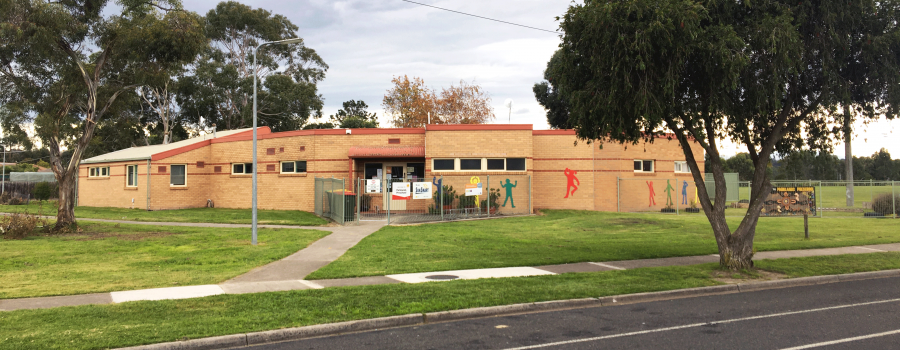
[[474, 127], [180, 150]]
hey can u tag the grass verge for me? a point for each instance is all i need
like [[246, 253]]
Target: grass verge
[[568, 236], [200, 215], [127, 324], [110, 257], [109, 326]]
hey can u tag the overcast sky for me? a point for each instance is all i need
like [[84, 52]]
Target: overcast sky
[[367, 42]]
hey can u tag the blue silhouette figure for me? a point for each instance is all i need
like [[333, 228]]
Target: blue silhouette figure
[[437, 183], [684, 193], [508, 186]]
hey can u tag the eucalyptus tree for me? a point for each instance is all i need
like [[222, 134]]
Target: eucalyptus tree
[[63, 65], [219, 88], [771, 75]]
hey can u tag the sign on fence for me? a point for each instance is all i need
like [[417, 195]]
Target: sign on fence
[[473, 189], [787, 201], [373, 185], [400, 191], [421, 190]]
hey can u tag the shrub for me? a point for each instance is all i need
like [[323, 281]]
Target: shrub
[[42, 191], [885, 204], [15, 201], [17, 226]]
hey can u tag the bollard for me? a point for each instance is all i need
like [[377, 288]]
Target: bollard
[[806, 224]]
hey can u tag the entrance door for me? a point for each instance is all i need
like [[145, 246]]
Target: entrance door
[[397, 174]]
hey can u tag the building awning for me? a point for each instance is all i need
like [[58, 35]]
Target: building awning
[[387, 151]]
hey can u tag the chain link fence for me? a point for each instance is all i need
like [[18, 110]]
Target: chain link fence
[[334, 200]]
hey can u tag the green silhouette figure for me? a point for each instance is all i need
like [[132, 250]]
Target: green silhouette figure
[[669, 190], [508, 186]]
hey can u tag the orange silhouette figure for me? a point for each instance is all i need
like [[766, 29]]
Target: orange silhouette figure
[[652, 193], [571, 180]]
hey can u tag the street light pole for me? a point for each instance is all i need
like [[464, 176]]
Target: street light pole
[[253, 201]]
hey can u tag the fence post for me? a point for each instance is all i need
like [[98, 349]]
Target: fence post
[[388, 208], [530, 204], [441, 196], [894, 199], [358, 199], [618, 203], [488, 196]]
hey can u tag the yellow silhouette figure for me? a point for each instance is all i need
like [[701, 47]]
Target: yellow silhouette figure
[[475, 181]]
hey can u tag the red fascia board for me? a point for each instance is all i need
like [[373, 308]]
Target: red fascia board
[[180, 150], [477, 127]]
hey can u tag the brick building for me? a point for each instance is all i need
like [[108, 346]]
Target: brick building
[[190, 173]]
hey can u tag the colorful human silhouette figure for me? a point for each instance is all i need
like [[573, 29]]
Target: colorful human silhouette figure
[[669, 189], [696, 196], [570, 182], [652, 194], [439, 187], [508, 186], [684, 193]]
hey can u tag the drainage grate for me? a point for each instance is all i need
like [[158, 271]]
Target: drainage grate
[[441, 277]]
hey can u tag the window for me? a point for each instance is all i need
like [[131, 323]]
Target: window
[[293, 167], [98, 172], [643, 166], [682, 167], [515, 164], [131, 176], [178, 177], [372, 170], [470, 164], [496, 164], [242, 168], [444, 164]]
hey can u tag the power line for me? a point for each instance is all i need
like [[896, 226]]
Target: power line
[[482, 17]]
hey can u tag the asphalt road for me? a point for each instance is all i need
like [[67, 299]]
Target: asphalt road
[[849, 315]]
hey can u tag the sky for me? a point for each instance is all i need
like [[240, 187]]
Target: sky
[[368, 42]]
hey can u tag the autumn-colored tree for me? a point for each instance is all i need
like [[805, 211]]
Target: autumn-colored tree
[[410, 102], [465, 104]]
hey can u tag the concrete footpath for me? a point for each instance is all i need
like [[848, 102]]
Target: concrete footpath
[[272, 277]]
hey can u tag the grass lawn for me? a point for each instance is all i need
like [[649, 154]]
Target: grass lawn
[[110, 257], [209, 215], [145, 322], [567, 236]]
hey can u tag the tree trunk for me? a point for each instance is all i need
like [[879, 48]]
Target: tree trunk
[[736, 250], [65, 218], [848, 154]]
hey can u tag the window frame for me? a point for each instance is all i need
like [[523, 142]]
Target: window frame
[[172, 173], [245, 166], [281, 167], [481, 164], [433, 168], [684, 167], [488, 162], [643, 170], [524, 164], [98, 171], [128, 173]]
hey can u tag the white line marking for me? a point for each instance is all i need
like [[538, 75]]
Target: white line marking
[[700, 324], [877, 250], [312, 285], [607, 266], [845, 340]]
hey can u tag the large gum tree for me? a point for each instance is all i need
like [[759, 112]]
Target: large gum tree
[[770, 75], [63, 65]]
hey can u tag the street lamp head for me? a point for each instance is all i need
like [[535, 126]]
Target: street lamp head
[[288, 41]]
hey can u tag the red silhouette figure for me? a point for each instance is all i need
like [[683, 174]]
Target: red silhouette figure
[[570, 175], [652, 193]]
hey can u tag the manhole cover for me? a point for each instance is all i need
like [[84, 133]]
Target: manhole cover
[[441, 277]]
